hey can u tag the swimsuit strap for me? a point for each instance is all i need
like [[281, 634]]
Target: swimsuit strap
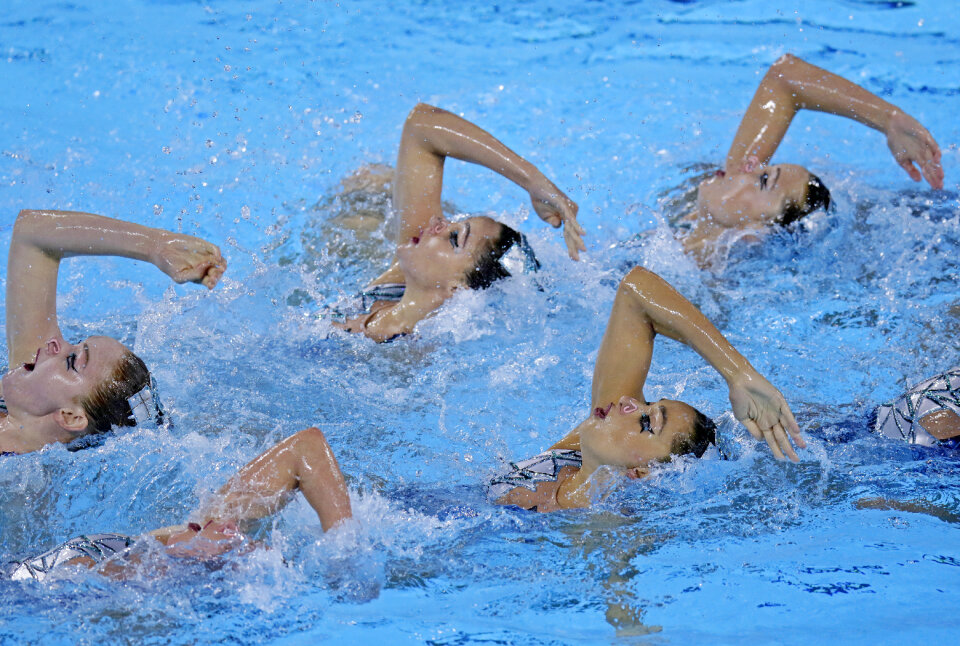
[[382, 292]]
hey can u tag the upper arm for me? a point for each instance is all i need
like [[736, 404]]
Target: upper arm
[[767, 118], [627, 347], [31, 291], [419, 176]]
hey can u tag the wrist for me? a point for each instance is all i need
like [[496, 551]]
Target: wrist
[[740, 372], [153, 252]]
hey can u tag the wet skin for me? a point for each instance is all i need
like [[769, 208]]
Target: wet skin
[[61, 374]]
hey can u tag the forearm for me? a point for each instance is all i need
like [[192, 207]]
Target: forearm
[[447, 135], [656, 303], [60, 234], [814, 88], [791, 85]]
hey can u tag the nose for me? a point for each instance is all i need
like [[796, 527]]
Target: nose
[[628, 405], [53, 346], [437, 224]]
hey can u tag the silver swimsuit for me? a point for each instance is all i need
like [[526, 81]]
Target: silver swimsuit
[[900, 418], [543, 467], [98, 547]]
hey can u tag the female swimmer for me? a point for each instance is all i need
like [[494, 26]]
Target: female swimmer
[[750, 193], [627, 432], [434, 256], [56, 391], [303, 461]]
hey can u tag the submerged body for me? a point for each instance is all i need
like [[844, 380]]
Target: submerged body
[[928, 414], [303, 462]]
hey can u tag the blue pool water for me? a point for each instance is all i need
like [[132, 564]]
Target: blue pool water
[[236, 120]]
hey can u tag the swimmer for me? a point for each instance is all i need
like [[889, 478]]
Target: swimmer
[[627, 432], [434, 256], [57, 391], [262, 488], [750, 193]]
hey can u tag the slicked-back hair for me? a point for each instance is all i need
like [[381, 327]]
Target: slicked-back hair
[[108, 406], [704, 434], [488, 268], [816, 197]]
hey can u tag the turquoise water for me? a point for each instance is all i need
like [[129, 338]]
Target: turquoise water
[[236, 121]]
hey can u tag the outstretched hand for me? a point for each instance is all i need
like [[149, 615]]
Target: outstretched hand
[[912, 145], [188, 259], [557, 209], [765, 413]]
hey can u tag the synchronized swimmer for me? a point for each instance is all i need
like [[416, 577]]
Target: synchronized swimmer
[[434, 256], [57, 391], [751, 194]]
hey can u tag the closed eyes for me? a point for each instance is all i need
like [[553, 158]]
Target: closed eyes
[[645, 422]]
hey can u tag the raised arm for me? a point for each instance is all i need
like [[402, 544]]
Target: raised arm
[[41, 239], [645, 306], [303, 462], [791, 85], [430, 135]]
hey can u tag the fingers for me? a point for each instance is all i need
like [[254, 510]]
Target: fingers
[[933, 173], [784, 443], [788, 422], [753, 428], [907, 165], [213, 276], [573, 249], [571, 235], [776, 438], [771, 441]]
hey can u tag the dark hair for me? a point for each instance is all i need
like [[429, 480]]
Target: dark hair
[[108, 406], [488, 268], [704, 434], [817, 196]]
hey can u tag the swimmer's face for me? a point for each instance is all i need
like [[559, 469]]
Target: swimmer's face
[[445, 251], [631, 433], [752, 199], [62, 374]]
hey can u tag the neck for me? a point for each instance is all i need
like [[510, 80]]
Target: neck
[[573, 492], [21, 433], [419, 303]]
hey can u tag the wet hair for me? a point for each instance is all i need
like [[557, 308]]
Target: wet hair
[[704, 434], [488, 268], [108, 406], [817, 196]]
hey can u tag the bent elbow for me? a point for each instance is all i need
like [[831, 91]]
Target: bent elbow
[[29, 220], [637, 277], [419, 112]]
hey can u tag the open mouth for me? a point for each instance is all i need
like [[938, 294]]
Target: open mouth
[[602, 412], [29, 366]]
